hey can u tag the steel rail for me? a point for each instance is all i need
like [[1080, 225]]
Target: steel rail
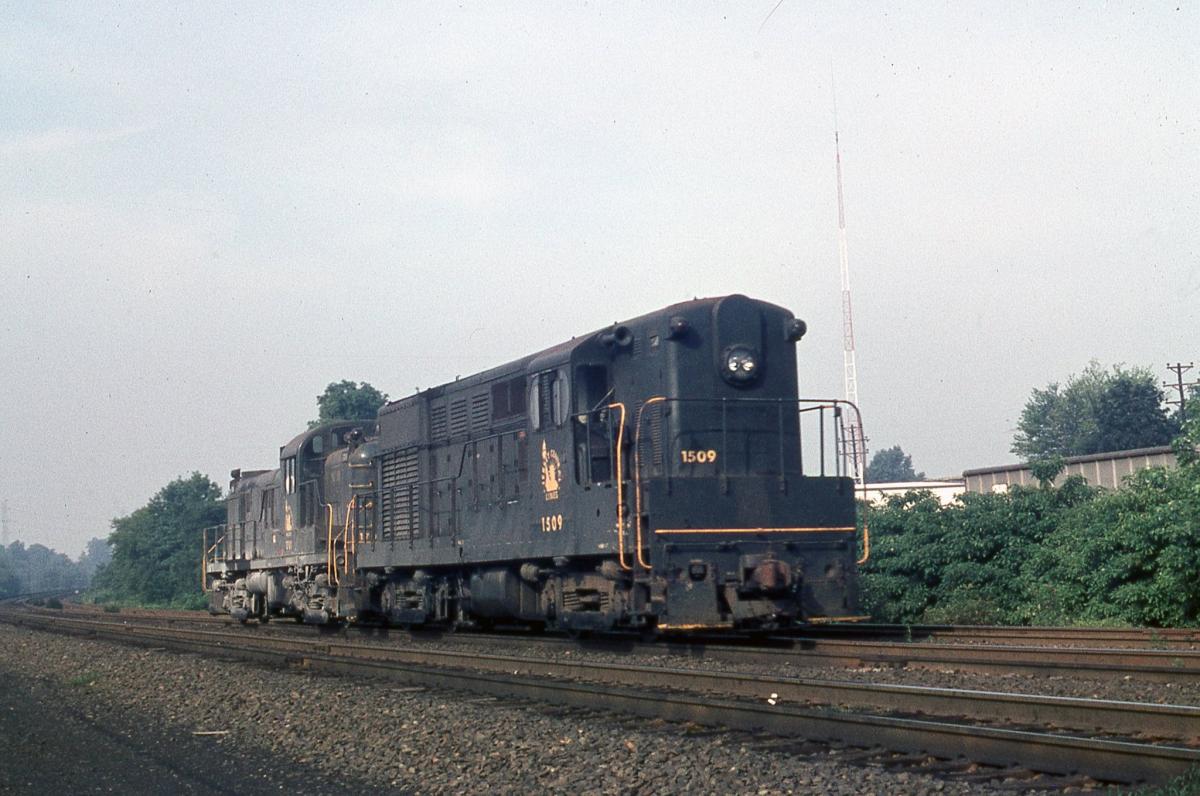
[[1171, 665], [1136, 637], [1108, 638], [1157, 665], [1115, 760]]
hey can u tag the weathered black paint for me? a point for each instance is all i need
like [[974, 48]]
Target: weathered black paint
[[495, 498]]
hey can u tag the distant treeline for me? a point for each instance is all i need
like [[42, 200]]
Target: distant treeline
[[36, 568], [1044, 555]]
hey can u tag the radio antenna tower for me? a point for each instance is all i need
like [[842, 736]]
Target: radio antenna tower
[[855, 450]]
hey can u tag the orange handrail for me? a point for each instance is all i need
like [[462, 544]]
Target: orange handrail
[[347, 539], [866, 544], [330, 564], [620, 486]]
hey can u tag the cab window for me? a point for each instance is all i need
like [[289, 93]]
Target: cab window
[[549, 399]]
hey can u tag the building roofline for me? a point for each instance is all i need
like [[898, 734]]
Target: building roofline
[[1091, 457]]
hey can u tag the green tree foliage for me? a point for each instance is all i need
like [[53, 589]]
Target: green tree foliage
[[37, 568], [95, 555], [156, 549], [10, 584], [345, 400], [892, 464], [1045, 555], [1097, 411]]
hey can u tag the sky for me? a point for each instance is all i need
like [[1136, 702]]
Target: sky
[[209, 211]]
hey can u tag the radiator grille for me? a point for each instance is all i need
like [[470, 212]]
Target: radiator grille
[[458, 418], [437, 421], [400, 495], [480, 404]]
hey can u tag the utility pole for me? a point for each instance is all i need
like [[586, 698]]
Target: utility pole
[[4, 523], [1180, 385]]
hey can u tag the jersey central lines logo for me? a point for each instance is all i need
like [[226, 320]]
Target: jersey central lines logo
[[551, 472]]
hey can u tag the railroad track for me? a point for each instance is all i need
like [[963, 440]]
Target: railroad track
[[1109, 637], [1168, 638], [1172, 665], [1053, 735]]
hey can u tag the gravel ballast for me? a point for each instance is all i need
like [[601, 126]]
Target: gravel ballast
[[341, 734]]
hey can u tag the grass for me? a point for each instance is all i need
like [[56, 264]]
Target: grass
[[84, 680], [1184, 785]]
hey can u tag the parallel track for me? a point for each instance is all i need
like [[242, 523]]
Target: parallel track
[[1109, 637], [737, 701], [1147, 662]]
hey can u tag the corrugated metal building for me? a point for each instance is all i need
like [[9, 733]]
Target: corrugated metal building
[[1099, 469]]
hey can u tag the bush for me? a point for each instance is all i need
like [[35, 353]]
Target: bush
[[1044, 555], [54, 602]]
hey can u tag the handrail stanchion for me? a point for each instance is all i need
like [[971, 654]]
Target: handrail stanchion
[[782, 475], [821, 434], [800, 440], [724, 445]]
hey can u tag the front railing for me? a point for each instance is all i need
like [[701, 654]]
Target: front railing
[[239, 541], [739, 437], [728, 437]]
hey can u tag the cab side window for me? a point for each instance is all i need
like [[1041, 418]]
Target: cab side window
[[549, 399], [289, 475]]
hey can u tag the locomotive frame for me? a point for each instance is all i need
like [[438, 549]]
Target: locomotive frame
[[657, 474]]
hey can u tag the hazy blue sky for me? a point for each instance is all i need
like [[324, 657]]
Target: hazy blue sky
[[210, 211]]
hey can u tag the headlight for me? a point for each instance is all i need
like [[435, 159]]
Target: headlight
[[741, 365]]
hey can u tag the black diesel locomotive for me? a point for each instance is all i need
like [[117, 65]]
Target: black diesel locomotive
[[658, 474]]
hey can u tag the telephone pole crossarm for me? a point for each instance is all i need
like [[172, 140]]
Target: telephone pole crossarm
[[1179, 385]]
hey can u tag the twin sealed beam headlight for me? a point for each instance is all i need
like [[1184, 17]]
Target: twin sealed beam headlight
[[740, 365]]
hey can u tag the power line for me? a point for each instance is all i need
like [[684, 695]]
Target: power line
[[1180, 385]]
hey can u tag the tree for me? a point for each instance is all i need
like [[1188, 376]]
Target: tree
[[37, 568], [1097, 411], [345, 400], [10, 583], [96, 555], [892, 464], [156, 549]]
